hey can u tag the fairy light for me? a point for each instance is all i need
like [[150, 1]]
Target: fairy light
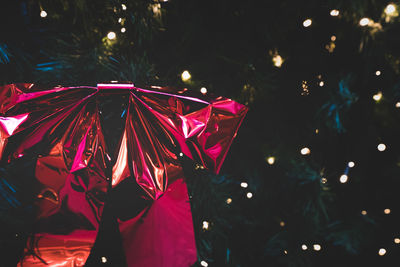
[[285, 251], [378, 72], [377, 97], [304, 247], [206, 225], [123, 6], [282, 223], [244, 185], [321, 83], [181, 154], [316, 131], [390, 9], [228, 200], [386, 211], [43, 14], [103, 259], [397, 240], [333, 38], [364, 212], [364, 21], [203, 90], [344, 178], [204, 263], [382, 252], [351, 164], [324, 180], [381, 147], [398, 105], [185, 76], [249, 195], [111, 35], [305, 151], [119, 20], [317, 247], [277, 60], [307, 23], [334, 13], [271, 160], [123, 30]]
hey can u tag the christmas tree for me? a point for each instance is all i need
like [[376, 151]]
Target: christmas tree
[[312, 177]]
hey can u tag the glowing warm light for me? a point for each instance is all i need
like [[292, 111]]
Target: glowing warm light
[[307, 23], [324, 180], [333, 38], [305, 151], [228, 200], [123, 7], [321, 83], [334, 12], [387, 211], [343, 179], [277, 60], [203, 263], [398, 105], [382, 252], [181, 154], [378, 72], [364, 21], [43, 14], [103, 259], [119, 20], [123, 29], [351, 164], [303, 247], [205, 225], [378, 96], [271, 160], [244, 185], [111, 35], [316, 131], [381, 147], [317, 247], [186, 76], [249, 195], [282, 223], [203, 90], [390, 9], [285, 251], [397, 240], [364, 212]]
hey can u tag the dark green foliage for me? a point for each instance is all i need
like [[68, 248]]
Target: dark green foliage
[[228, 48]]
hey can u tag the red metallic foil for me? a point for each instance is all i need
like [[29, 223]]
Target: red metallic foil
[[61, 128]]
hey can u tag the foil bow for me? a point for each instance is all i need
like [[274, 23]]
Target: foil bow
[[61, 128]]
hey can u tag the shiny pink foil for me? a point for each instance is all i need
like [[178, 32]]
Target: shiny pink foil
[[61, 128]]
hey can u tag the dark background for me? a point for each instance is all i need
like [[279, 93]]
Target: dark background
[[228, 47]]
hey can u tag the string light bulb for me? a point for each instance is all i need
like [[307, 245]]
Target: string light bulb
[[382, 251], [43, 14], [398, 105], [397, 240], [351, 164], [204, 263], [249, 195], [304, 247], [343, 178], [282, 223], [386, 211], [119, 20], [378, 72], [244, 185], [277, 60], [271, 160], [321, 83], [123, 30], [377, 97], [307, 23], [228, 200], [317, 247], [334, 13], [123, 6], [203, 90], [364, 212], [324, 180], [103, 259], [333, 38], [111, 35], [381, 147], [390, 9], [186, 76], [206, 225], [364, 21], [305, 151]]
